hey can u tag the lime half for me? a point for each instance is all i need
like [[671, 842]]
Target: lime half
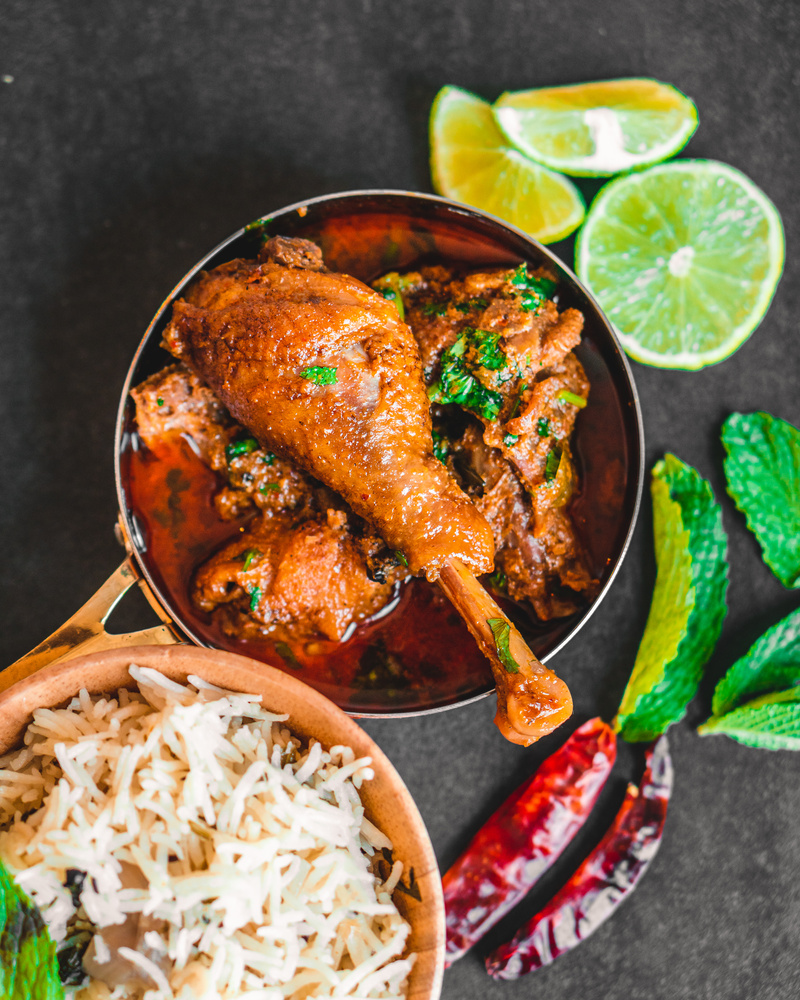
[[684, 258], [598, 129], [471, 162]]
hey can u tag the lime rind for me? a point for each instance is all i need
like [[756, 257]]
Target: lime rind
[[624, 280], [477, 167], [585, 140]]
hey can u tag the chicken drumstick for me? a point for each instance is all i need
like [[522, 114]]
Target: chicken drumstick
[[320, 367]]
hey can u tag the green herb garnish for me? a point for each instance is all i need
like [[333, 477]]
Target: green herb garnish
[[763, 472], [255, 597], [543, 427], [441, 447], [160, 401], [518, 401], [28, 964], [509, 440], [401, 558], [457, 385], [269, 487], [551, 464], [242, 447], [286, 653], [321, 374], [536, 291], [688, 606], [268, 459], [435, 308], [471, 304], [486, 349], [571, 397], [498, 580], [501, 630], [248, 557]]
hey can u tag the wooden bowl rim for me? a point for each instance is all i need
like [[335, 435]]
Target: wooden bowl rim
[[58, 683]]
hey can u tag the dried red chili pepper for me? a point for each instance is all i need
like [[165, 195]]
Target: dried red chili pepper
[[525, 836], [604, 879]]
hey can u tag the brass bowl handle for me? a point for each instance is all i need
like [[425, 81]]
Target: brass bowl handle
[[84, 632]]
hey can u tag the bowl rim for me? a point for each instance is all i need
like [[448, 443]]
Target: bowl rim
[[58, 682], [637, 467]]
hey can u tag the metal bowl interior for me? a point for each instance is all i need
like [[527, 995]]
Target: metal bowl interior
[[366, 234], [386, 799]]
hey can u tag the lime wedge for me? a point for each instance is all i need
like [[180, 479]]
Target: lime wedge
[[684, 258], [598, 129], [472, 163]]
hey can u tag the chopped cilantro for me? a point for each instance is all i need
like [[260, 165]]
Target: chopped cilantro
[[255, 597], [242, 447], [436, 308], [535, 291], [498, 580], [509, 440], [501, 630], [487, 349], [402, 558], [543, 427], [268, 459], [467, 306], [441, 447], [160, 401], [457, 385], [518, 401], [321, 374], [551, 464], [571, 397], [249, 556], [269, 486]]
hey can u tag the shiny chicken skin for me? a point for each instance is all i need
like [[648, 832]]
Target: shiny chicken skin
[[319, 367]]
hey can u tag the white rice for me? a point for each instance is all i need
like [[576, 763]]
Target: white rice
[[255, 848]]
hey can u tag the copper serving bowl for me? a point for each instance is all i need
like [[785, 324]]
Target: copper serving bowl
[[386, 799], [374, 672]]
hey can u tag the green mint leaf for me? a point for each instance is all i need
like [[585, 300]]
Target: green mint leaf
[[771, 722], [28, 965], [771, 664], [688, 606], [501, 630], [763, 472], [321, 374]]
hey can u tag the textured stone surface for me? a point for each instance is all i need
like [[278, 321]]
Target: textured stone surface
[[134, 137]]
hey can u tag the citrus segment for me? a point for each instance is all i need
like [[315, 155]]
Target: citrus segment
[[684, 259], [471, 162], [598, 129]]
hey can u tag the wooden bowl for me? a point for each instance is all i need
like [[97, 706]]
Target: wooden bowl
[[387, 800]]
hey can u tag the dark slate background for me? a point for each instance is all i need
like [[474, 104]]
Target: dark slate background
[[135, 136]]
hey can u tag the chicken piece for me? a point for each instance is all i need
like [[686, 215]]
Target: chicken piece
[[320, 367], [175, 401], [311, 576]]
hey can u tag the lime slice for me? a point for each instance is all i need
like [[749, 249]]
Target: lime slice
[[684, 258], [471, 162], [598, 129]]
